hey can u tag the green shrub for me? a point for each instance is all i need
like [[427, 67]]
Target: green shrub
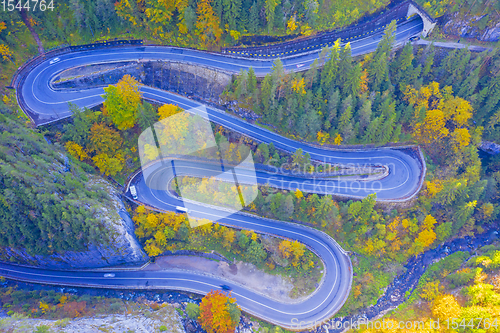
[[193, 311]]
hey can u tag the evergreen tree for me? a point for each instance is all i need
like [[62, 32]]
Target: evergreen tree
[[345, 125], [242, 84], [403, 67], [331, 68], [345, 68], [353, 82], [252, 81], [428, 57], [378, 72], [146, 116], [313, 122], [387, 41], [332, 107], [365, 114], [253, 19]]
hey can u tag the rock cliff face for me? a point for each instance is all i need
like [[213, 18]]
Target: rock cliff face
[[469, 27], [490, 147], [123, 248], [185, 79]]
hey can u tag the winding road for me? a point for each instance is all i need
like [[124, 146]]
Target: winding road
[[405, 174]]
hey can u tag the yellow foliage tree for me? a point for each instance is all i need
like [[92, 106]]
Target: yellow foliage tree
[[299, 86], [208, 24], [63, 299], [433, 128], [457, 109], [446, 307], [44, 307], [306, 30], [5, 52], [291, 25], [322, 137], [168, 110], [124, 10], [122, 101], [434, 187], [76, 150], [229, 237], [109, 166], [151, 248], [430, 291], [461, 137], [151, 221], [363, 84], [285, 248], [338, 139]]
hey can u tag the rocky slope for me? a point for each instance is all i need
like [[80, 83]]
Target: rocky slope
[[479, 27], [123, 248], [166, 318]]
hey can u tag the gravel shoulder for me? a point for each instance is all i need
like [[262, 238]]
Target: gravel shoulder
[[273, 286]]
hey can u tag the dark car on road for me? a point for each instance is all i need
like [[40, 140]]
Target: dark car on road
[[225, 287]]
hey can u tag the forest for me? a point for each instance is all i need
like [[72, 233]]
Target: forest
[[379, 99], [49, 202], [200, 23], [461, 291], [446, 102]]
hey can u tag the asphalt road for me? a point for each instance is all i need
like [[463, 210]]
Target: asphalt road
[[401, 183]]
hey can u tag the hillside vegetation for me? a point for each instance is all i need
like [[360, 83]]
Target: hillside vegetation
[[47, 201]]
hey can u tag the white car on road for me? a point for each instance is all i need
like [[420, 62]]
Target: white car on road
[[53, 61]]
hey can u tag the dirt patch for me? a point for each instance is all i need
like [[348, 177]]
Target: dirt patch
[[273, 286]]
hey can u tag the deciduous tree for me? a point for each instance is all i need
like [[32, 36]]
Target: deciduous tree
[[215, 316], [121, 102]]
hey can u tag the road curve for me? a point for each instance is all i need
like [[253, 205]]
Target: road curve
[[402, 182]]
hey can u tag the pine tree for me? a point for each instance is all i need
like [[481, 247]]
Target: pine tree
[[385, 45], [345, 68], [253, 19], [252, 81], [234, 14], [146, 116], [266, 93], [365, 114], [371, 131], [403, 67], [345, 126], [396, 134], [429, 61], [470, 83], [313, 122], [333, 104], [331, 68], [353, 82], [242, 84], [270, 6], [378, 72]]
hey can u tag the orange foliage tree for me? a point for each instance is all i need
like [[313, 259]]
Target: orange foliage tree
[[215, 316]]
